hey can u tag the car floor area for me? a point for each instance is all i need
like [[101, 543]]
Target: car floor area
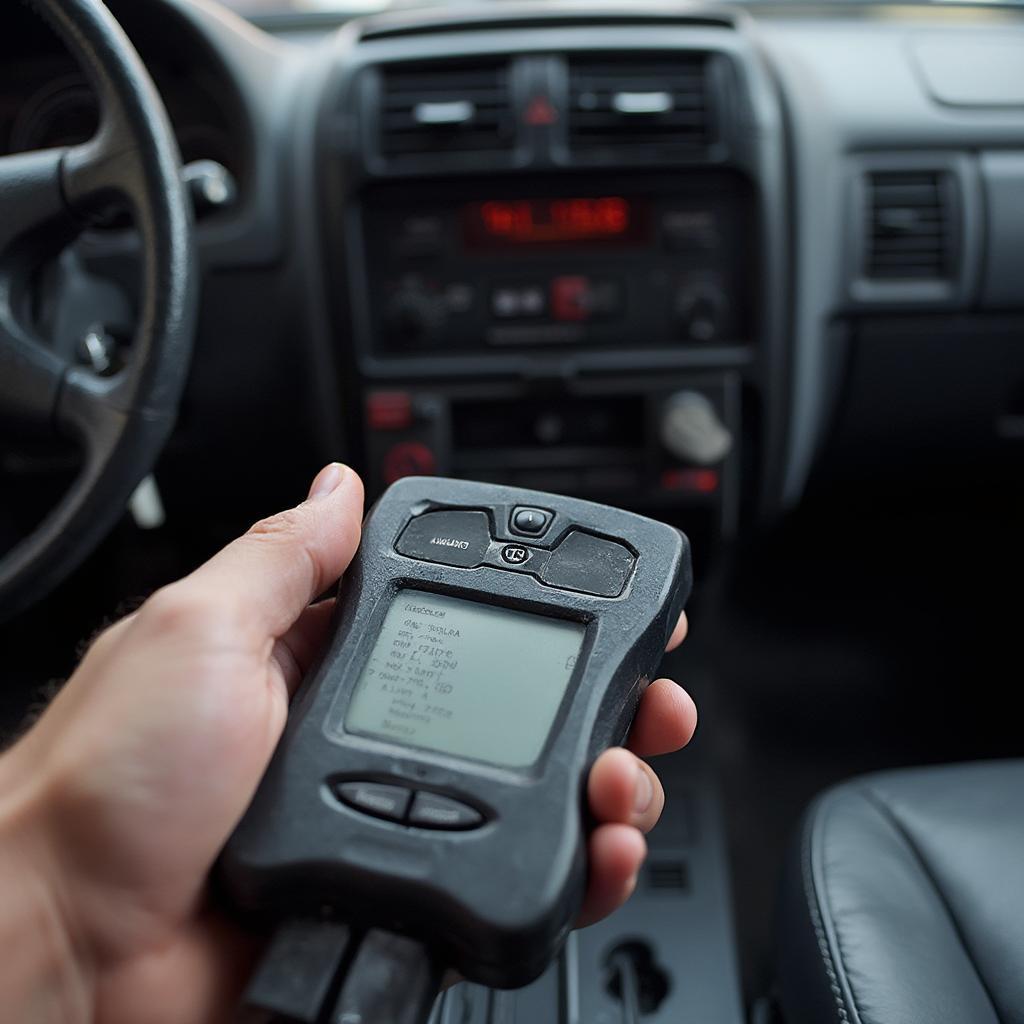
[[849, 639], [855, 638]]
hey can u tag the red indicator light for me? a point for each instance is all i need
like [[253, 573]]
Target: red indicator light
[[540, 112], [705, 481], [389, 410], [551, 220], [569, 298], [410, 458], [696, 481]]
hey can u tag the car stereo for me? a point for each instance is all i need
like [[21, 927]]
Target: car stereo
[[629, 262]]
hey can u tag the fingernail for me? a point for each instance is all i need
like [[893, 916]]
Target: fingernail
[[326, 481], [644, 792]]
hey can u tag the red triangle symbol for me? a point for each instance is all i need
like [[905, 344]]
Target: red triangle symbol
[[540, 112]]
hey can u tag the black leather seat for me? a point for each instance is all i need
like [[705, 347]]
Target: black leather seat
[[904, 903]]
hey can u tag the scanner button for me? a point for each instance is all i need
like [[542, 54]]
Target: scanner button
[[531, 521], [451, 538], [515, 554], [432, 811], [375, 798], [589, 564]]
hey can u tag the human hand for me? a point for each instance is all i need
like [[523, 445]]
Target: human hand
[[113, 808]]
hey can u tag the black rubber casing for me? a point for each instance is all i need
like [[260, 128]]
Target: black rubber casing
[[494, 902]]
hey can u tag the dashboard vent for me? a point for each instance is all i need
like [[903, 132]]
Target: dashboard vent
[[909, 229], [649, 108], [444, 108], [670, 874]]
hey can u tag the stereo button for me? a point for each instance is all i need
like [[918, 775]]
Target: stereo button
[[517, 302], [450, 538]]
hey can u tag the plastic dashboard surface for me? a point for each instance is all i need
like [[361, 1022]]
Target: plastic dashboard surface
[[825, 85], [832, 90]]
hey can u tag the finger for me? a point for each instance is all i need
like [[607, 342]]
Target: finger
[[195, 978], [616, 854], [665, 721], [298, 649], [106, 641], [624, 789], [268, 576], [679, 633]]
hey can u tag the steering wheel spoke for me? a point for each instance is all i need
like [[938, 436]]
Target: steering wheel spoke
[[30, 375], [103, 169], [88, 411], [36, 218], [33, 194]]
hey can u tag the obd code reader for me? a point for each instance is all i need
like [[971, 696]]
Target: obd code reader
[[425, 808]]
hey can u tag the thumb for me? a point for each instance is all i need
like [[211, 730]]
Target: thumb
[[268, 576]]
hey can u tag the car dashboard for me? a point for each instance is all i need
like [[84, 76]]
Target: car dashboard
[[621, 251]]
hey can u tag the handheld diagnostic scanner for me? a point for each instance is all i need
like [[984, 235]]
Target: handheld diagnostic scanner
[[489, 642]]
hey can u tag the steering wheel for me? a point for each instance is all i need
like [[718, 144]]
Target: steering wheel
[[120, 422]]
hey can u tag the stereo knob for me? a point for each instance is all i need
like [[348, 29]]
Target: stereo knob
[[414, 317], [700, 312], [692, 430]]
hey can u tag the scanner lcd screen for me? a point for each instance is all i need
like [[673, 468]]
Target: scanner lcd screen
[[464, 678]]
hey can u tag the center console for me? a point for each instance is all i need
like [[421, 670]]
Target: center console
[[554, 243], [555, 255]]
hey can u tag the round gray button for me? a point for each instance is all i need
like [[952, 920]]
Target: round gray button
[[533, 521], [692, 430]]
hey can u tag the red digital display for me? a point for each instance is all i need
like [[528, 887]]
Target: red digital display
[[501, 222]]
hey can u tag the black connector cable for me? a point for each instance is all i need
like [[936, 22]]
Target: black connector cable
[[392, 980], [320, 972], [297, 975]]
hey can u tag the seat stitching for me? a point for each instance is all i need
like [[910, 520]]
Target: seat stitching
[[889, 815], [824, 949]]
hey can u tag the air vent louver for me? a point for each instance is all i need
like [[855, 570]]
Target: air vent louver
[[909, 232], [646, 108], [672, 874], [446, 108]]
